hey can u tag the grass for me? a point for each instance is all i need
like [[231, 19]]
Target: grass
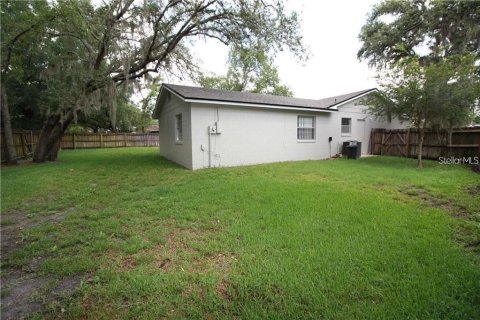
[[372, 238]]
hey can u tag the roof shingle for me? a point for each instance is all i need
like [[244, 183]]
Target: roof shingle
[[198, 93]]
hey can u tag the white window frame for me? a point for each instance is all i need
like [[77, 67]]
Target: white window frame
[[179, 128], [346, 130], [304, 127]]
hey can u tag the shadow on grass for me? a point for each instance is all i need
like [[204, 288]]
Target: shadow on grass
[[145, 157]]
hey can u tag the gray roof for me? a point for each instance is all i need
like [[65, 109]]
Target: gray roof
[[198, 93]]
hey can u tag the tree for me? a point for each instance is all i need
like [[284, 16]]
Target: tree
[[431, 52], [148, 104], [97, 119], [7, 128], [127, 116], [131, 117], [428, 96], [250, 69], [20, 20], [476, 120], [98, 51], [429, 30]]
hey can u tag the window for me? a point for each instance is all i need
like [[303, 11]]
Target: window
[[305, 128], [178, 128], [346, 126]]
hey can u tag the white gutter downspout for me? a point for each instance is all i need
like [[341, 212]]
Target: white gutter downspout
[[209, 148]]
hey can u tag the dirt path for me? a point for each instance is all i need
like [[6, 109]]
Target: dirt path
[[24, 290]]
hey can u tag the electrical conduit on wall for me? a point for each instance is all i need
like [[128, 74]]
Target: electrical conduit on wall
[[216, 119]]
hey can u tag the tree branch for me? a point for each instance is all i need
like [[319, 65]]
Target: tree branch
[[6, 62], [73, 35], [106, 35]]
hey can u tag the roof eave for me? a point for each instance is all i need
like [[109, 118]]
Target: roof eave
[[336, 105], [257, 105], [156, 111]]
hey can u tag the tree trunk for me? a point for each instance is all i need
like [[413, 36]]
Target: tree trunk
[[421, 132], [11, 153], [51, 136], [41, 151]]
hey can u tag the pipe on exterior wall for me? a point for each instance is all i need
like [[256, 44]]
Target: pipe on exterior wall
[[209, 148], [365, 139], [216, 119]]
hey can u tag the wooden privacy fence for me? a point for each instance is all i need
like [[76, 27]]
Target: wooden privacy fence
[[109, 140], [25, 141], [465, 142]]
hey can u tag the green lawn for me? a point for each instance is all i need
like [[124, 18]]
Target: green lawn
[[373, 238]]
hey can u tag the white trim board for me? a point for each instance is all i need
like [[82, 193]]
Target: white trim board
[[253, 105], [335, 107]]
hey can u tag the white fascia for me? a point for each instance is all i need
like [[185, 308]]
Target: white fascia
[[253, 105], [335, 107]]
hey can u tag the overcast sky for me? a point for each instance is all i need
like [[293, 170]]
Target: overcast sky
[[330, 30]]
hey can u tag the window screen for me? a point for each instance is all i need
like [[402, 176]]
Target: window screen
[[306, 128], [346, 125], [178, 128]]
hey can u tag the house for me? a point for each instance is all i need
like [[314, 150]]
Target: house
[[152, 129], [203, 128]]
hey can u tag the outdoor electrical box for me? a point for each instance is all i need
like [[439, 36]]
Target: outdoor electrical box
[[215, 129]]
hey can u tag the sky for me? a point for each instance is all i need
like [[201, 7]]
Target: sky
[[330, 31]]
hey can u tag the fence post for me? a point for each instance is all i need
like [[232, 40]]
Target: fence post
[[73, 141], [31, 141], [101, 141], [408, 143], [383, 141], [370, 143], [125, 139], [23, 143], [448, 139]]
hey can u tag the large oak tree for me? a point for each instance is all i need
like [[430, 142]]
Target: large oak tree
[[20, 24], [430, 30], [95, 51]]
